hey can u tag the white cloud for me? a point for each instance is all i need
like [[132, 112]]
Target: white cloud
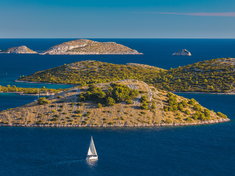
[[221, 14]]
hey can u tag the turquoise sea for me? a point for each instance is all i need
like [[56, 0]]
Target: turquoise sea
[[207, 150]]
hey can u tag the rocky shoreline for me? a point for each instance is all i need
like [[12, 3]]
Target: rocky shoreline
[[219, 93], [116, 126], [20, 81]]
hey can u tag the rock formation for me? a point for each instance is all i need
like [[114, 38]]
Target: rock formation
[[19, 50], [183, 52], [86, 47]]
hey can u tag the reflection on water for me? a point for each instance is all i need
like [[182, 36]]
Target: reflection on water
[[92, 163]]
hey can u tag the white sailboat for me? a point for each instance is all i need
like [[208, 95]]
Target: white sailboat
[[92, 154]]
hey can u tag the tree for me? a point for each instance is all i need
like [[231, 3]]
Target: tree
[[110, 101], [145, 106], [99, 105], [192, 101], [221, 115], [43, 100], [207, 113]]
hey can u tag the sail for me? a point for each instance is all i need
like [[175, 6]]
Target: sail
[[92, 149]]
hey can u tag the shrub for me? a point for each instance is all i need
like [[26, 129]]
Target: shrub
[[207, 112], [110, 101], [129, 101], [153, 106], [168, 121], [144, 105], [180, 107], [197, 107], [143, 99], [43, 100], [221, 115], [116, 93], [99, 105], [187, 112], [192, 101]]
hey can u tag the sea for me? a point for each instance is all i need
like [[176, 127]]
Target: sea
[[207, 150]]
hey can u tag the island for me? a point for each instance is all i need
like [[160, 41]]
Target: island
[[125, 103], [91, 71], [89, 47], [210, 76], [19, 50], [182, 52]]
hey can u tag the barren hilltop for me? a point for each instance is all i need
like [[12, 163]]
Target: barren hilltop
[[83, 47], [127, 103], [19, 50]]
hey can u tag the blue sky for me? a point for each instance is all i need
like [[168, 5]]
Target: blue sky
[[117, 19]]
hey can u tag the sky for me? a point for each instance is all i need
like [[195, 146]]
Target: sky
[[117, 18]]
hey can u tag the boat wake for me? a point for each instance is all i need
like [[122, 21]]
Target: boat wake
[[62, 162], [69, 162]]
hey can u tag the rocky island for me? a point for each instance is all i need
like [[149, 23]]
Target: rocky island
[[19, 50], [89, 47], [182, 52], [126, 103]]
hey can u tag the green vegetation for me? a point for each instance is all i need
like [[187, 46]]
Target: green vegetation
[[222, 115], [144, 102], [42, 90], [216, 75], [43, 101], [90, 72], [115, 93], [200, 113]]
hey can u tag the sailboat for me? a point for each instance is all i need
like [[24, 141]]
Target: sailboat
[[92, 154]]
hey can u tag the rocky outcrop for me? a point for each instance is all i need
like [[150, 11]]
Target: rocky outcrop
[[89, 47], [19, 50], [183, 52]]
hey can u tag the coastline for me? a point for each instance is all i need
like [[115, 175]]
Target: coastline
[[20, 81], [219, 93], [116, 126], [24, 94]]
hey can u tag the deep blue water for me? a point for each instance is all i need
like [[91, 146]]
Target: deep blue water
[[11, 100], [180, 151]]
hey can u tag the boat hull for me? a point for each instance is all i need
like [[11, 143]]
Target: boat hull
[[92, 158]]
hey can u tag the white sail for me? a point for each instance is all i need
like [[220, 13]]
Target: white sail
[[92, 149]]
